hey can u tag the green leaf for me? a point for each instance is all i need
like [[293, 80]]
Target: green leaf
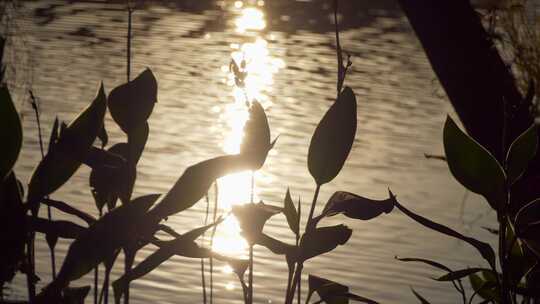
[[196, 181], [333, 138], [10, 133], [290, 213], [527, 225], [256, 142], [322, 240], [132, 103], [419, 297], [70, 150], [459, 274], [485, 249], [520, 153], [485, 286], [119, 228], [252, 218], [357, 207], [472, 165]]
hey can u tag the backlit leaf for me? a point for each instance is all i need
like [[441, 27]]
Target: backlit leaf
[[485, 249], [118, 228], [256, 142], [485, 287], [521, 152], [196, 181], [331, 292], [472, 165], [71, 148], [132, 103], [333, 138], [358, 207], [252, 218], [290, 213], [321, 240], [10, 133]]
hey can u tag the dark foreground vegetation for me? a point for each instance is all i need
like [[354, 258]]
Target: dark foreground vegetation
[[501, 166]]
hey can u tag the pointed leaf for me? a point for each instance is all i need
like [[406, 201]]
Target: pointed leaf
[[358, 207], [321, 240], [459, 274], [196, 181], [132, 103], [252, 218], [256, 142], [276, 246], [54, 135], [419, 297], [485, 249], [10, 133], [333, 138], [425, 261], [521, 152], [290, 213], [119, 228], [472, 165], [72, 147], [103, 136]]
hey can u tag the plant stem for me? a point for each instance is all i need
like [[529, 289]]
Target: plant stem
[[313, 203], [216, 200], [128, 70], [250, 278], [130, 257], [96, 275], [203, 279]]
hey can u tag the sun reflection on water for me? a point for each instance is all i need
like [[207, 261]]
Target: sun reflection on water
[[260, 66]]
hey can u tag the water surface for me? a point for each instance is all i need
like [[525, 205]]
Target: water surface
[[63, 49]]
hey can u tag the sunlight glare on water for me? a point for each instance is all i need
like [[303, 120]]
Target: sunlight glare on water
[[260, 66]]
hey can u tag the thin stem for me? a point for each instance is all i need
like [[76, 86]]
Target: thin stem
[[313, 203], [129, 259], [216, 200], [96, 276], [128, 71], [203, 278], [250, 278]]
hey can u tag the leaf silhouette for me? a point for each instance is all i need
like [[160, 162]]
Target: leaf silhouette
[[10, 133], [54, 135], [357, 207], [71, 148], [252, 218], [331, 292], [103, 136], [290, 213], [75, 295], [109, 183], [425, 261], [183, 245], [55, 229], [116, 229], [520, 153], [196, 181], [321, 240], [459, 274], [256, 142], [276, 246], [485, 249], [419, 297], [472, 165], [333, 138], [132, 103]]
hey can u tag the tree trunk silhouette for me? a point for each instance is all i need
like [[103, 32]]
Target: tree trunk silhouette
[[476, 80]]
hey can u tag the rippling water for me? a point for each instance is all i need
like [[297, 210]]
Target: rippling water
[[62, 49]]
